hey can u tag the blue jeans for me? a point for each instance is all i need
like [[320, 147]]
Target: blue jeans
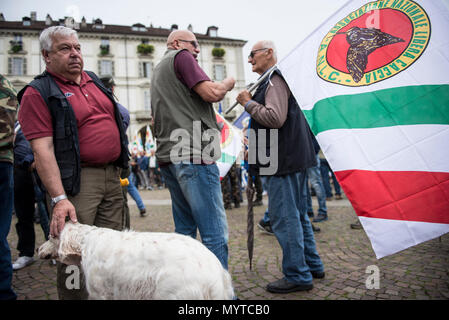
[[314, 175], [197, 203], [266, 217], [292, 227], [134, 193], [324, 168], [7, 203]]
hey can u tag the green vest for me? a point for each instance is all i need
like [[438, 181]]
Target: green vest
[[174, 106]]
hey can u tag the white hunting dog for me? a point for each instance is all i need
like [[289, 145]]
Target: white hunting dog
[[140, 265]]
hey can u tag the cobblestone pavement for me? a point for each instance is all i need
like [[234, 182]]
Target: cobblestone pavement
[[420, 272]]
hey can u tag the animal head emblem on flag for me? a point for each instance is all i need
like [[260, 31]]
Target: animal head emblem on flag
[[373, 43], [226, 132]]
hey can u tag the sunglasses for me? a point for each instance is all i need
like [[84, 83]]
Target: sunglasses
[[251, 54], [192, 42]]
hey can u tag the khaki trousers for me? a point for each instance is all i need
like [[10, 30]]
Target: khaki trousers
[[100, 203]]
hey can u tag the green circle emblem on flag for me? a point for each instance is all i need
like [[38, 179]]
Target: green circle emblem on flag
[[374, 43]]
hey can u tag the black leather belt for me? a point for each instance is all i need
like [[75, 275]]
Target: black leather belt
[[95, 165]]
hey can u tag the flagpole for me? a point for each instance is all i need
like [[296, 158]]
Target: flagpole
[[253, 87]]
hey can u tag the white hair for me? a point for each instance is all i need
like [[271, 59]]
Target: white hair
[[270, 45], [46, 37]]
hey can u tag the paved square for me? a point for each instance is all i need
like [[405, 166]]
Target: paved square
[[420, 272]]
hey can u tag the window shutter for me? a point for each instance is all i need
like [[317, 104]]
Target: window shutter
[[24, 69], [99, 68], [140, 69], [113, 68], [9, 65]]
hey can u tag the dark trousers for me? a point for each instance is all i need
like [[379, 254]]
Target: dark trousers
[[6, 206], [24, 200]]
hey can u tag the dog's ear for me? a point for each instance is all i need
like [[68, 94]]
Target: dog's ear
[[49, 249], [70, 245]]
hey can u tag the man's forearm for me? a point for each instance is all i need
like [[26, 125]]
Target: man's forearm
[[214, 91], [46, 165]]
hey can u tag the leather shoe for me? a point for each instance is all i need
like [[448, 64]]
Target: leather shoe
[[318, 274], [283, 286]]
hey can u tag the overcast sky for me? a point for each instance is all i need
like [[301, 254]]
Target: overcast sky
[[286, 22]]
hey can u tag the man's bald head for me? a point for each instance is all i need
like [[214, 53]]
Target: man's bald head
[[183, 39], [180, 34]]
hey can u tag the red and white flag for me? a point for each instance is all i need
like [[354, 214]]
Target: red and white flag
[[373, 82]]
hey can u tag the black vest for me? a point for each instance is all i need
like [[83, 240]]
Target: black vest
[[295, 145], [65, 129]]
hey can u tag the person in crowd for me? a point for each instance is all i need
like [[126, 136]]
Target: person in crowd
[[78, 139], [230, 188], [8, 110], [273, 107], [325, 169], [26, 193], [258, 186], [181, 99], [134, 174], [155, 171], [314, 176], [109, 83], [143, 163]]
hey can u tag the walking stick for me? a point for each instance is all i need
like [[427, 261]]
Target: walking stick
[[250, 221]]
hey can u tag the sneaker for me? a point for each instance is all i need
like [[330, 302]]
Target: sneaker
[[320, 217], [228, 206], [150, 188], [338, 197], [310, 214], [315, 229], [329, 198], [265, 227], [22, 262], [356, 225], [236, 204], [283, 286], [258, 203], [143, 212]]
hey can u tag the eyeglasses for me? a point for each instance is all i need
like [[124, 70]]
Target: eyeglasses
[[251, 54], [192, 42]]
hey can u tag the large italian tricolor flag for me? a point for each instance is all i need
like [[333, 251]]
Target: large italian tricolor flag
[[373, 82]]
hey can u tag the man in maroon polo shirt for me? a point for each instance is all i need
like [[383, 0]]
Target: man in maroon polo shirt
[[77, 149]]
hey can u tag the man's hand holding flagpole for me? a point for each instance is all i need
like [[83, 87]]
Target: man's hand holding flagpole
[[253, 87]]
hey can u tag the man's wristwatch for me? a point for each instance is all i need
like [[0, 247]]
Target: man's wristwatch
[[54, 201]]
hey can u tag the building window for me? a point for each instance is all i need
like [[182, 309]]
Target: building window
[[104, 41], [17, 66], [146, 100], [104, 46], [219, 72], [16, 44], [145, 69], [106, 67]]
